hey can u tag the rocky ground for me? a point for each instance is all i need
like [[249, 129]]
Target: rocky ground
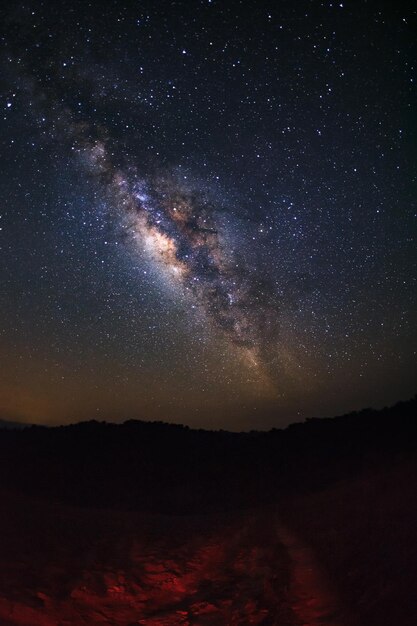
[[67, 566]]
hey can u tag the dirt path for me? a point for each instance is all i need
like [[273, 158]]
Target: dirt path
[[63, 566], [313, 600]]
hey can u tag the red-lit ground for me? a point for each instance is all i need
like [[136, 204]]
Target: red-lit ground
[[313, 597], [363, 529], [62, 566]]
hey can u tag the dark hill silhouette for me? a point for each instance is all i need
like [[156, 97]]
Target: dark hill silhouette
[[13, 425], [155, 466]]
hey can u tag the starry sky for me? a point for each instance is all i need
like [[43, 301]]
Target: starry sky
[[208, 210]]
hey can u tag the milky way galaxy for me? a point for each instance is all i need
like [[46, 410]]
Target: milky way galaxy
[[208, 211], [178, 229]]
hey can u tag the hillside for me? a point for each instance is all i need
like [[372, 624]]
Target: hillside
[[157, 524]]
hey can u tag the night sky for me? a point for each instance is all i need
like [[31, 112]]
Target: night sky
[[208, 210]]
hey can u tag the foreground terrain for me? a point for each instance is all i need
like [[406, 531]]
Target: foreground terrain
[[160, 525], [63, 565]]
